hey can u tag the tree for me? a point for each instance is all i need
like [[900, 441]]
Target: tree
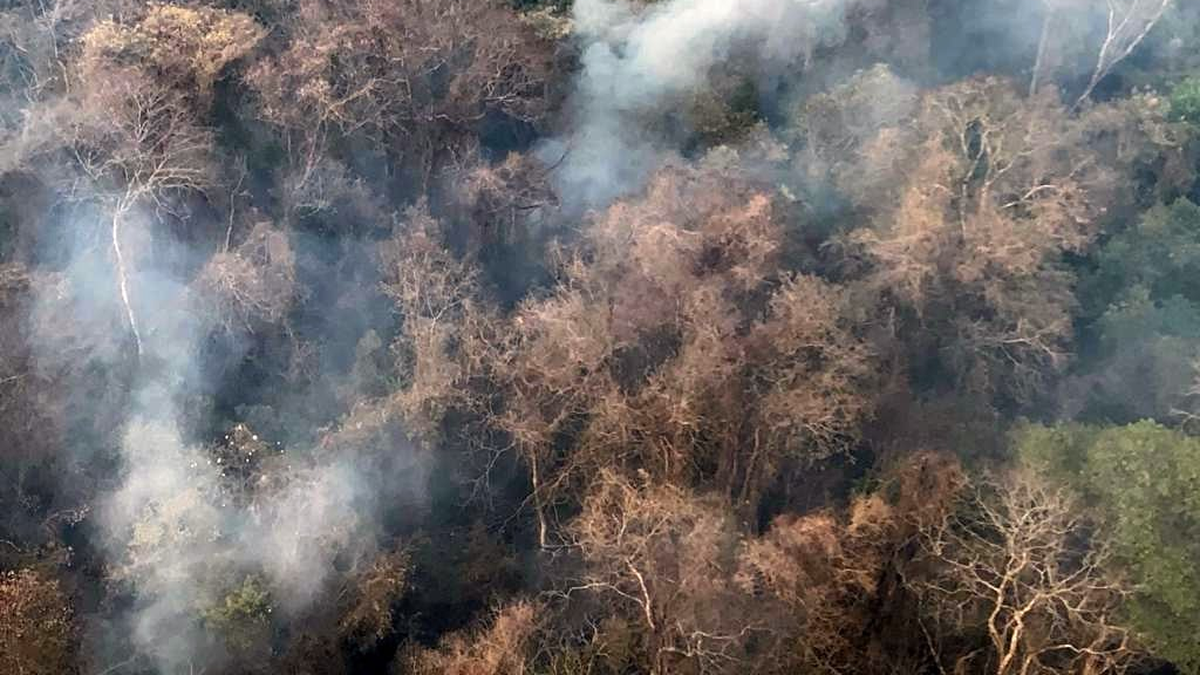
[[1141, 299], [1142, 478], [1160, 253], [447, 336], [825, 573], [368, 616], [253, 285], [139, 144], [1018, 559], [1185, 101], [418, 77], [997, 192], [675, 340], [241, 618], [849, 133], [666, 557], [1129, 22], [502, 205], [1139, 139], [181, 47], [36, 629], [811, 371], [133, 124], [28, 51], [829, 580], [498, 649], [35, 41]]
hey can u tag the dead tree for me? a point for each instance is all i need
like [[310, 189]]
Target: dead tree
[[139, 144], [1019, 558], [668, 557], [1129, 22]]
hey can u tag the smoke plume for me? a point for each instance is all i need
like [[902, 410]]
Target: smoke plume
[[636, 60], [184, 524]]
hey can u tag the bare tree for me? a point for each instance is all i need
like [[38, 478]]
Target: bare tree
[[832, 575], [811, 370], [31, 43], [367, 616], [34, 72], [645, 341], [1019, 559], [1128, 23], [667, 556], [254, 284], [447, 336], [140, 145]]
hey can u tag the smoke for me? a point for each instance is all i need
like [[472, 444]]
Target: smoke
[[183, 525], [636, 62]]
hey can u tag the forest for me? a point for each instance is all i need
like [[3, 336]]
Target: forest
[[599, 337]]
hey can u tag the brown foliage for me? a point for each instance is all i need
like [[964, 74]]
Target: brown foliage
[[834, 573], [253, 285], [184, 47], [825, 573], [137, 139], [993, 196], [36, 632], [324, 188], [812, 369], [815, 593], [678, 341], [446, 336], [1133, 135], [498, 649], [665, 559], [368, 617], [419, 75], [501, 200], [673, 342], [850, 135]]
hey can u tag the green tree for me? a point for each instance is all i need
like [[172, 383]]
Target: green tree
[[1161, 253], [1144, 479], [1143, 303], [1185, 101], [242, 618]]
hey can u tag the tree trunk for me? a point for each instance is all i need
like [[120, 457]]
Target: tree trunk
[[123, 277], [537, 498], [1043, 47]]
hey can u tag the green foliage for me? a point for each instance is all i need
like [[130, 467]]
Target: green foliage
[[1161, 252], [1145, 481], [727, 114], [242, 618], [1143, 303], [1137, 314], [1185, 101]]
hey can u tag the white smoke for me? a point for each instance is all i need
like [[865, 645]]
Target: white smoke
[[636, 59], [175, 534]]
